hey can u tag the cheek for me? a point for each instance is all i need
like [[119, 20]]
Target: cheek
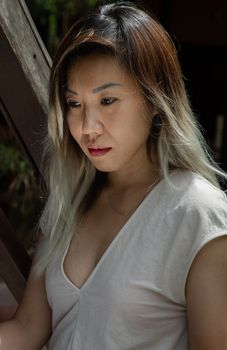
[[74, 128], [137, 128], [137, 116]]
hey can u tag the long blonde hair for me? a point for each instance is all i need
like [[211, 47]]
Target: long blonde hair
[[144, 48]]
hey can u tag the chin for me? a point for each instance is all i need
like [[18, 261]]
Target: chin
[[104, 168]]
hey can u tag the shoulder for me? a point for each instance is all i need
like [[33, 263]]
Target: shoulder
[[197, 208], [195, 213], [191, 191]]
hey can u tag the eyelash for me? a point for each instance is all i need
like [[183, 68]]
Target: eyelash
[[108, 101], [73, 104]]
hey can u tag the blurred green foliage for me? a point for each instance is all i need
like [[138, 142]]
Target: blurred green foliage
[[21, 195], [17, 176]]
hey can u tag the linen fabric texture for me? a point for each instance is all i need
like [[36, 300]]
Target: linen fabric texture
[[135, 297]]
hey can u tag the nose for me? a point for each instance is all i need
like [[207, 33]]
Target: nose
[[92, 123]]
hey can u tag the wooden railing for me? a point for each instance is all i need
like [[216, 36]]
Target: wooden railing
[[24, 73], [14, 261]]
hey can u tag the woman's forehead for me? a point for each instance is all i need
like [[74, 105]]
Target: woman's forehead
[[100, 70]]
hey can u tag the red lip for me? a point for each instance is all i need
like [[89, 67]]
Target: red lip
[[96, 152]]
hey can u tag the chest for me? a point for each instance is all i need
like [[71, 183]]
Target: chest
[[129, 286], [95, 234]]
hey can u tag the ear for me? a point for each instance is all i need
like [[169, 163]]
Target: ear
[[157, 120]]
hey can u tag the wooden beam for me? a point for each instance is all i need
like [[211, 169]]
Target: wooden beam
[[25, 67], [24, 75], [14, 261], [25, 41]]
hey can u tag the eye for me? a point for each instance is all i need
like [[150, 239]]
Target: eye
[[108, 100], [73, 104]]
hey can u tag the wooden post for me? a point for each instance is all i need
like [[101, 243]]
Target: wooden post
[[14, 261], [24, 74]]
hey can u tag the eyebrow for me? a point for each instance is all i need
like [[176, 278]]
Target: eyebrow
[[97, 89], [105, 86]]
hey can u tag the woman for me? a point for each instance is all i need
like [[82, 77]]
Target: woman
[[134, 247]]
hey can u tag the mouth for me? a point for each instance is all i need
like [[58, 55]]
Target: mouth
[[98, 152]]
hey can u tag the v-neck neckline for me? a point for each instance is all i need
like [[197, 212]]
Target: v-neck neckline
[[110, 246]]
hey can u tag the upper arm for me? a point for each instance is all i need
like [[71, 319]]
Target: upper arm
[[206, 296], [34, 312]]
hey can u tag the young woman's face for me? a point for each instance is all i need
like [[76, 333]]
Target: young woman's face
[[107, 115]]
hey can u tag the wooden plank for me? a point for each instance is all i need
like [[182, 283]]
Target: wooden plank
[[10, 273], [18, 27], [14, 261], [25, 67]]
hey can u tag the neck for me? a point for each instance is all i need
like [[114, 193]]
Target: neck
[[142, 175], [126, 189]]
